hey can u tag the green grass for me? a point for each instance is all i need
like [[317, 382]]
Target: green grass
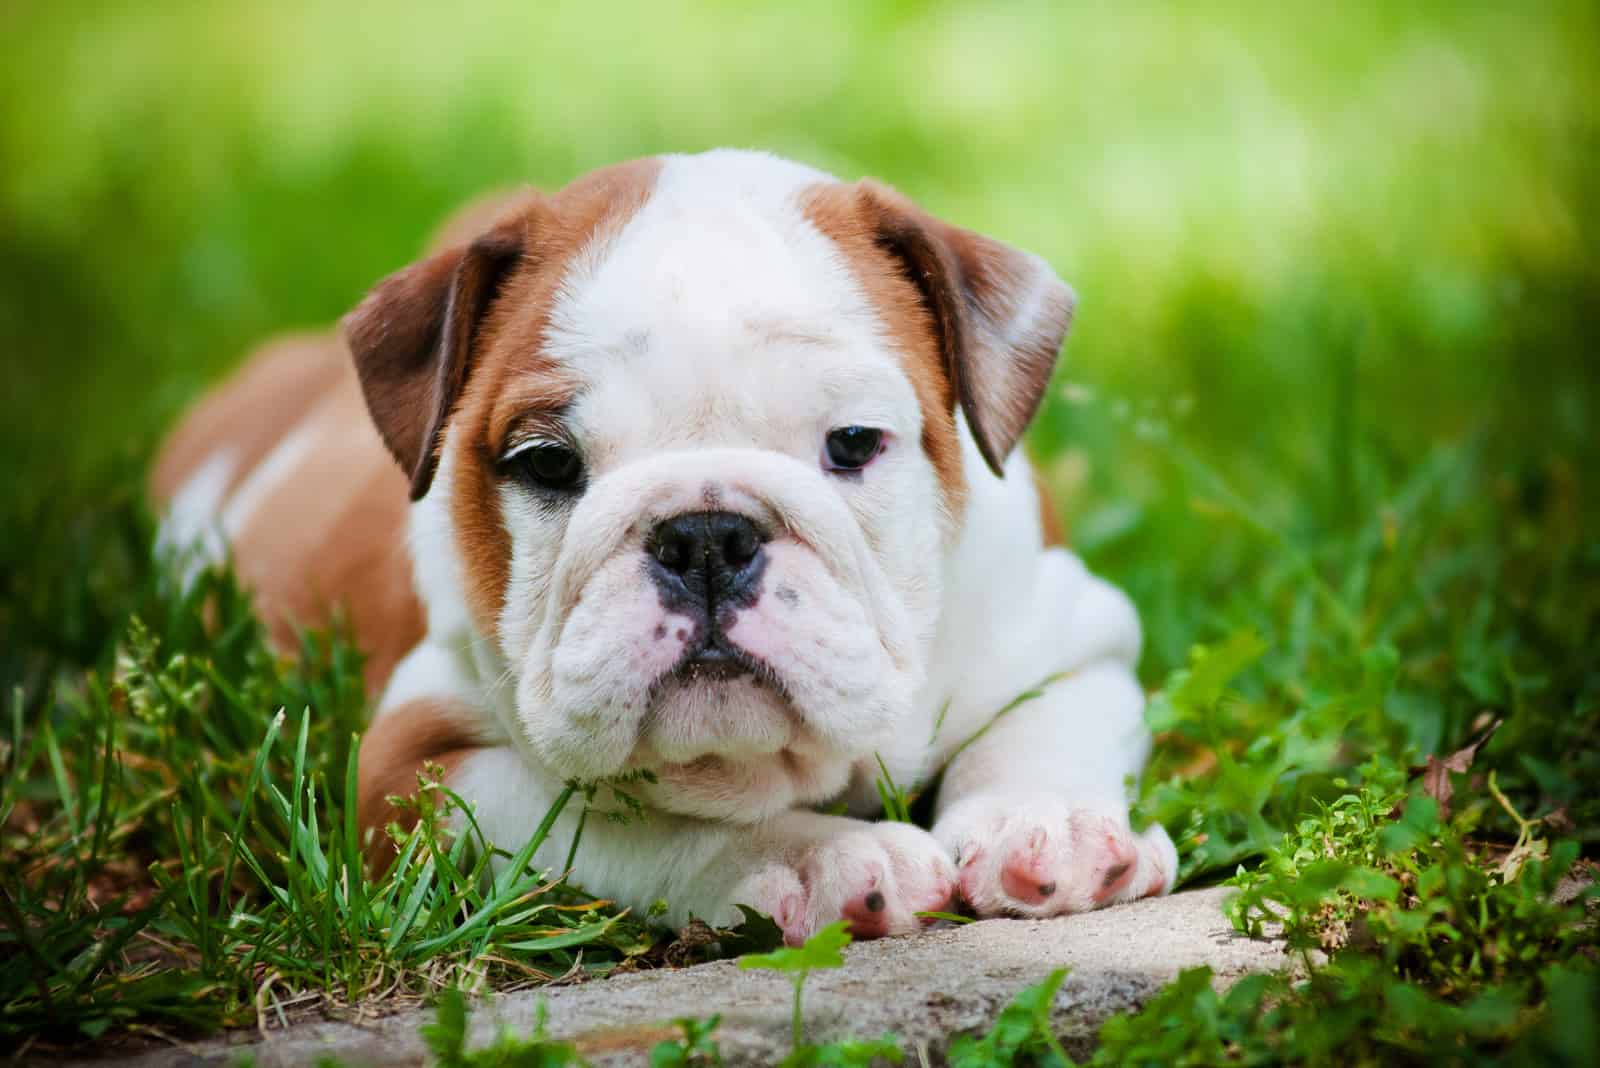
[[180, 857], [1326, 414]]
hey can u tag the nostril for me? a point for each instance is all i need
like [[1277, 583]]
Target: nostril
[[741, 546], [672, 550], [736, 539]]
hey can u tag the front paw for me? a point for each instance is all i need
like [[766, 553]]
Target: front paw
[[1038, 855], [876, 875]]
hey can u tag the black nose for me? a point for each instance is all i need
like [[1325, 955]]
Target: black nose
[[704, 561]]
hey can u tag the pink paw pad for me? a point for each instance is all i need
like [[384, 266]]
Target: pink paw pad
[[867, 915], [1027, 874], [1121, 860]]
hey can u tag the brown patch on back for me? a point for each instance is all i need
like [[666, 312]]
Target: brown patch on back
[[836, 210], [394, 750], [326, 540], [249, 412], [330, 538], [514, 379]]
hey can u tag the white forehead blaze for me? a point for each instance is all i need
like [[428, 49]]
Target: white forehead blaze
[[720, 315]]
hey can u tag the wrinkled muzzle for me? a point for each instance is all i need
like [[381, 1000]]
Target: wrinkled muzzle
[[711, 613]]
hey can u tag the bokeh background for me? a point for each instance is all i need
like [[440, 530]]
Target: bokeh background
[[1337, 264]]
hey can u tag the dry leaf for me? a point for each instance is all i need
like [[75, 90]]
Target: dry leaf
[[1436, 773]]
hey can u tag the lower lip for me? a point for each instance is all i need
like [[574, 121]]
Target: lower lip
[[719, 670]]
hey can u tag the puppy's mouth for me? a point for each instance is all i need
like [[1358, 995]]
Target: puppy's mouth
[[714, 660]]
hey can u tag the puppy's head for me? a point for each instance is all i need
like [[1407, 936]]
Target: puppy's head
[[684, 438]]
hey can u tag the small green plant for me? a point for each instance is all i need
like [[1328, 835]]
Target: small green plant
[[846, 1053], [696, 1049], [446, 1038], [821, 950], [1021, 1035], [1189, 1024]]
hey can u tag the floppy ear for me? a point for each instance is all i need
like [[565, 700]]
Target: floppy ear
[[1000, 314], [412, 341]]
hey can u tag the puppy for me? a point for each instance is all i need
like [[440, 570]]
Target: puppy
[[704, 466]]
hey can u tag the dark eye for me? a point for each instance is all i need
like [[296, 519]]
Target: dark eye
[[547, 465], [850, 448]]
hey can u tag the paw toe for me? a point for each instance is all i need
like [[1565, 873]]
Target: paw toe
[[1025, 877], [1120, 861]]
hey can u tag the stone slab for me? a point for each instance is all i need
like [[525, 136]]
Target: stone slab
[[923, 988]]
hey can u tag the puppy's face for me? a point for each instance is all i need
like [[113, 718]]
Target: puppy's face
[[693, 439]]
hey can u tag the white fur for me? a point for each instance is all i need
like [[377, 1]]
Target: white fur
[[718, 338], [189, 532]]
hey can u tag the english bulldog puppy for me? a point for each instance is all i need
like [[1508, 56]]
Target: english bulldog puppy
[[703, 466]]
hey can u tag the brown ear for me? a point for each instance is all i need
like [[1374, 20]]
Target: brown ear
[[412, 340], [1000, 314]]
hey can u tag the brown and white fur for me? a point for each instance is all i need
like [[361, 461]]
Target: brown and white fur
[[694, 327]]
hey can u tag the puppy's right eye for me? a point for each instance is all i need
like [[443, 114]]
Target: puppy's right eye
[[546, 465], [850, 448]]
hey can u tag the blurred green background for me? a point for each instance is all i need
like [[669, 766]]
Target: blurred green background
[[1314, 246]]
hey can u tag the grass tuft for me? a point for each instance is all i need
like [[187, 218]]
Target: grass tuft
[[180, 852]]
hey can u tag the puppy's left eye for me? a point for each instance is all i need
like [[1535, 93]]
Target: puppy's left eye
[[548, 465], [850, 448]]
